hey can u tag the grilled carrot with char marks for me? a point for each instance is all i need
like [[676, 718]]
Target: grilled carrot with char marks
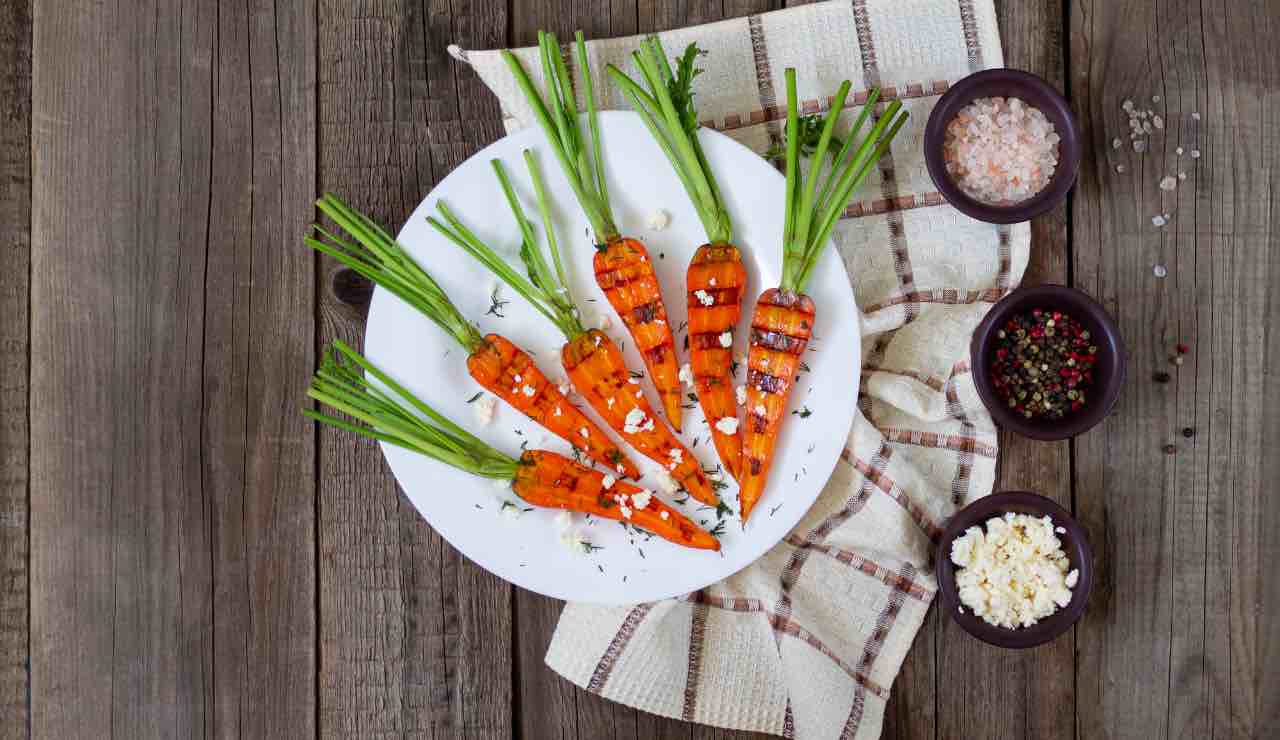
[[622, 267], [390, 413], [625, 274], [511, 375], [716, 278], [784, 316], [593, 361], [597, 370], [498, 365], [780, 332], [551, 480]]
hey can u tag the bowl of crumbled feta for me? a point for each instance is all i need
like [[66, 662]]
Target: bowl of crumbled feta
[[1014, 569]]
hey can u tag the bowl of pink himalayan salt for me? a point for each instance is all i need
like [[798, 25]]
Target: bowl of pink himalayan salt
[[1002, 146]]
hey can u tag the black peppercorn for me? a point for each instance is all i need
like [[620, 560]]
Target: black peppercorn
[[1188, 432], [1160, 377]]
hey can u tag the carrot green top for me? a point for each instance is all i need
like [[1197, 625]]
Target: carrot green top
[[558, 117], [665, 104], [546, 287], [812, 214], [393, 414], [382, 259]]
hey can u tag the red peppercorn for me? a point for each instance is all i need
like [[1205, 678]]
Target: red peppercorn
[[1183, 349]]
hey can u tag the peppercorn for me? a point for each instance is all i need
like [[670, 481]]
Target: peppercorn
[[1161, 377], [1170, 449], [1188, 432], [1183, 349], [1043, 364]]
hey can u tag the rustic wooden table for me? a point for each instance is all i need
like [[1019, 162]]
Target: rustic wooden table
[[183, 554]]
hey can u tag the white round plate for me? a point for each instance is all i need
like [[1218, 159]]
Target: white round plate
[[527, 549]]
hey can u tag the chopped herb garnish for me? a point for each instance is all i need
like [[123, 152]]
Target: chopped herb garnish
[[496, 304], [476, 397], [803, 412], [717, 530], [774, 510], [804, 368], [636, 374]]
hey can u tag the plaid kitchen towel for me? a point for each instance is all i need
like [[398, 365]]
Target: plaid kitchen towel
[[806, 642]]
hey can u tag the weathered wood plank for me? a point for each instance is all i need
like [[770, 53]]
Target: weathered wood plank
[[171, 475], [416, 640], [15, 250], [1173, 643]]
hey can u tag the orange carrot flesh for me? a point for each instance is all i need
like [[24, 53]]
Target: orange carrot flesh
[[596, 369], [551, 480], [625, 274], [714, 282], [780, 331], [511, 374]]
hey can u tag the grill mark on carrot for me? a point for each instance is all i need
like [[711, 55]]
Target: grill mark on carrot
[[548, 479], [781, 329], [597, 370], [496, 365], [715, 273], [626, 275]]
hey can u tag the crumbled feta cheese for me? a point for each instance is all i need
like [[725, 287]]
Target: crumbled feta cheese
[[657, 220], [677, 454], [760, 410], [517, 378], [557, 411], [529, 390], [1072, 578], [596, 341], [608, 482], [633, 381], [727, 425], [634, 421], [564, 388], [603, 322], [712, 282], [584, 433], [626, 511], [726, 339], [666, 483], [704, 297], [665, 515], [686, 374], [639, 394], [564, 521], [483, 408], [641, 498], [660, 322], [621, 470], [1014, 573], [509, 510], [741, 394], [502, 484]]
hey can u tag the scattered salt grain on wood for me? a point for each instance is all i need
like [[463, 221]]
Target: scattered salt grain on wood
[[1195, 153], [1159, 271], [1168, 183], [1179, 151], [1158, 221], [1140, 146], [1120, 168], [1115, 143], [1157, 121], [1195, 116], [1000, 150], [1155, 98]]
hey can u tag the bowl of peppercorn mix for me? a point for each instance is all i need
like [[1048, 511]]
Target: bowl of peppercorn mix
[[1047, 362]]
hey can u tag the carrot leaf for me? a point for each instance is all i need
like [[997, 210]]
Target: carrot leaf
[[664, 101], [388, 412], [557, 114], [812, 211], [383, 260]]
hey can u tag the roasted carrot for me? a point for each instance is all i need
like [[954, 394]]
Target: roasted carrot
[[551, 480], [622, 266], [784, 316], [716, 278], [592, 360], [495, 363], [390, 413]]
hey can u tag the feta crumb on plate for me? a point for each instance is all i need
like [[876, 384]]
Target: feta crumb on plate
[[657, 220], [741, 394], [704, 297], [726, 339], [727, 425], [686, 374], [483, 408]]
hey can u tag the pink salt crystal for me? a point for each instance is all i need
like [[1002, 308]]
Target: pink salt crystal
[[1000, 150], [1168, 183]]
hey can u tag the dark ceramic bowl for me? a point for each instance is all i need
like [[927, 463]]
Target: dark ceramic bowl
[[1074, 542], [1108, 371], [1004, 83]]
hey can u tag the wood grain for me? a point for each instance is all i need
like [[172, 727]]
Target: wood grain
[[15, 251], [171, 475], [415, 640], [1173, 643]]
